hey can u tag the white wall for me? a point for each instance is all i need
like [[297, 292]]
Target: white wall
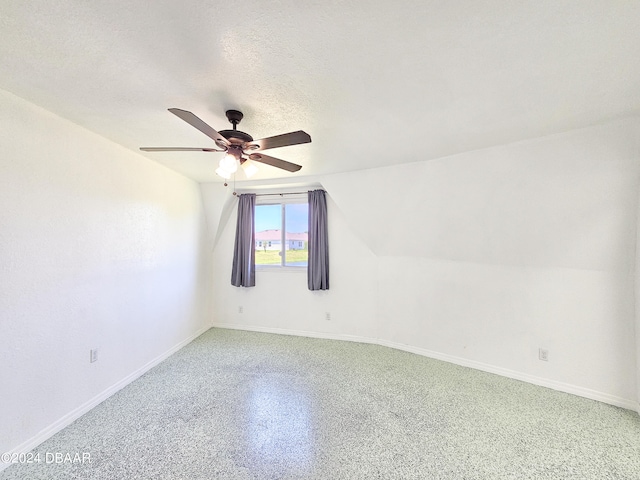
[[481, 259], [99, 248]]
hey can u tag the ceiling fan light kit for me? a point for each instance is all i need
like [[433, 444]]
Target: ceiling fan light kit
[[238, 146], [249, 168], [229, 163]]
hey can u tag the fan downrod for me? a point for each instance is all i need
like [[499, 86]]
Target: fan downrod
[[235, 135]]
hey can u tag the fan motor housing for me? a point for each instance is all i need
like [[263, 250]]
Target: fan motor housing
[[237, 135]]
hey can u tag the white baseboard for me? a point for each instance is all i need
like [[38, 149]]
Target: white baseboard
[[525, 377], [296, 333], [72, 416]]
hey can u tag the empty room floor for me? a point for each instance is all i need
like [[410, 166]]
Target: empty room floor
[[246, 405]]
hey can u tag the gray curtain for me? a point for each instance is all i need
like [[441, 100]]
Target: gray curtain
[[318, 266], [243, 273]]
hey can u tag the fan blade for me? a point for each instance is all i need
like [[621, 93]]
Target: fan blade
[[178, 149], [194, 121], [284, 140], [275, 162]]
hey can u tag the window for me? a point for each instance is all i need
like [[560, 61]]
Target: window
[[281, 234]]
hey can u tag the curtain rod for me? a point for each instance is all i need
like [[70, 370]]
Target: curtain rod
[[281, 194]]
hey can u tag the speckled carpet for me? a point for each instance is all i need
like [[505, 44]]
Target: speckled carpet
[[243, 405]]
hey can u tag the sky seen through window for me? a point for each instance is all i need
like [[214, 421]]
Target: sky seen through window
[[269, 217]]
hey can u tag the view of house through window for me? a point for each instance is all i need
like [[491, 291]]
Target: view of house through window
[[281, 234]]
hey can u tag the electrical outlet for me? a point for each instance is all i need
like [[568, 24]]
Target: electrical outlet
[[240, 309], [93, 355], [543, 354], [327, 316]]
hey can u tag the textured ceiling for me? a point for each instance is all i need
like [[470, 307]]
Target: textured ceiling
[[374, 83]]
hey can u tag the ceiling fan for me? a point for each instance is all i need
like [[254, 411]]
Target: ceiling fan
[[240, 147]]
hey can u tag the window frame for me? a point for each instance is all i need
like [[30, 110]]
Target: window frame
[[282, 201]]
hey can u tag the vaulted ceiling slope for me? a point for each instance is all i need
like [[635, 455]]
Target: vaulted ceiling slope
[[374, 83]]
